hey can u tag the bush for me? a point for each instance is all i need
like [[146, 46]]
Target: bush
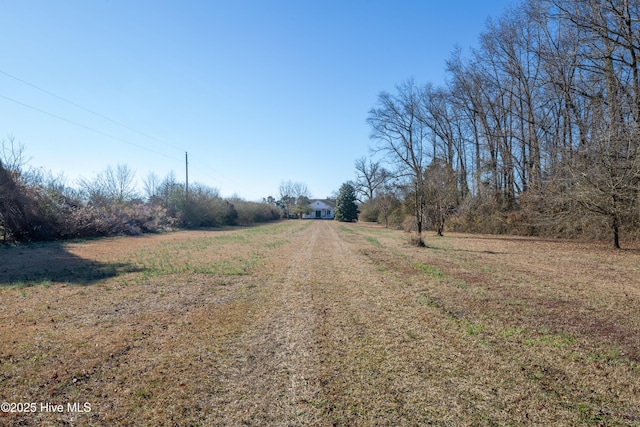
[[409, 224], [369, 212], [396, 219], [35, 206], [95, 221], [479, 214], [251, 212], [22, 216]]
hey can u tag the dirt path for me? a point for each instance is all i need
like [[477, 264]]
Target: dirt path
[[341, 344], [273, 375]]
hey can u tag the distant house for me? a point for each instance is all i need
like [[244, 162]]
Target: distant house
[[321, 209]]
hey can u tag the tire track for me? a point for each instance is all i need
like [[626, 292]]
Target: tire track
[[273, 380]]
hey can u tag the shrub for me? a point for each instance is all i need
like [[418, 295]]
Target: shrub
[[396, 219], [409, 224], [252, 212], [369, 212]]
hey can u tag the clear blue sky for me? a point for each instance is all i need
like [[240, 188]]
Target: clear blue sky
[[257, 92]]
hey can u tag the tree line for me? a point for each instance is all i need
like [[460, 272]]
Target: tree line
[[535, 131], [35, 205]]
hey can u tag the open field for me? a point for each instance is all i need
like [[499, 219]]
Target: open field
[[320, 323]]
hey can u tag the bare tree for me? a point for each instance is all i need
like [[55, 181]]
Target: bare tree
[[465, 87], [545, 113], [370, 176], [294, 198], [121, 183], [440, 193], [598, 72], [398, 131], [302, 206], [605, 182], [386, 201], [111, 186], [152, 186], [12, 155]]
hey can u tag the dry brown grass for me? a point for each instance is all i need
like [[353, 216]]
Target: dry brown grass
[[319, 323]]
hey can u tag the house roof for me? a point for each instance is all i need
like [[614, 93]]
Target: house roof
[[327, 202]]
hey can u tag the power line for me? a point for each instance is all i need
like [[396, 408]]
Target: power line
[[102, 116], [201, 168], [85, 127]]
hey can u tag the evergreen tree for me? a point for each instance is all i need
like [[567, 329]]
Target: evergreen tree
[[346, 208]]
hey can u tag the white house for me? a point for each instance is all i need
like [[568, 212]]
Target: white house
[[321, 209]]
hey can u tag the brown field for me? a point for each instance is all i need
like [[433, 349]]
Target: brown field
[[320, 323]]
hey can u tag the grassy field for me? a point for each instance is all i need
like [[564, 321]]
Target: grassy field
[[319, 323]]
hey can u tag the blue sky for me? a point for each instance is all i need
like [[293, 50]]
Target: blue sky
[[257, 92]]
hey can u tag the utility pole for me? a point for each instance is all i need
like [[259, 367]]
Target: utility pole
[[186, 167]]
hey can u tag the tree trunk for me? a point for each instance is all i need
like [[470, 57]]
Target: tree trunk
[[419, 215], [615, 227]]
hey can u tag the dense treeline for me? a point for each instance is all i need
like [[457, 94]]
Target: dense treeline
[[35, 205], [536, 131]]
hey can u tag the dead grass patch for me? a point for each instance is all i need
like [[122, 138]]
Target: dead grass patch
[[319, 323]]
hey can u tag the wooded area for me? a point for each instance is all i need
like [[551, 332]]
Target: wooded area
[[537, 129]]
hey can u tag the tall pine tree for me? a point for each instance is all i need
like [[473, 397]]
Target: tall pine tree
[[346, 208]]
